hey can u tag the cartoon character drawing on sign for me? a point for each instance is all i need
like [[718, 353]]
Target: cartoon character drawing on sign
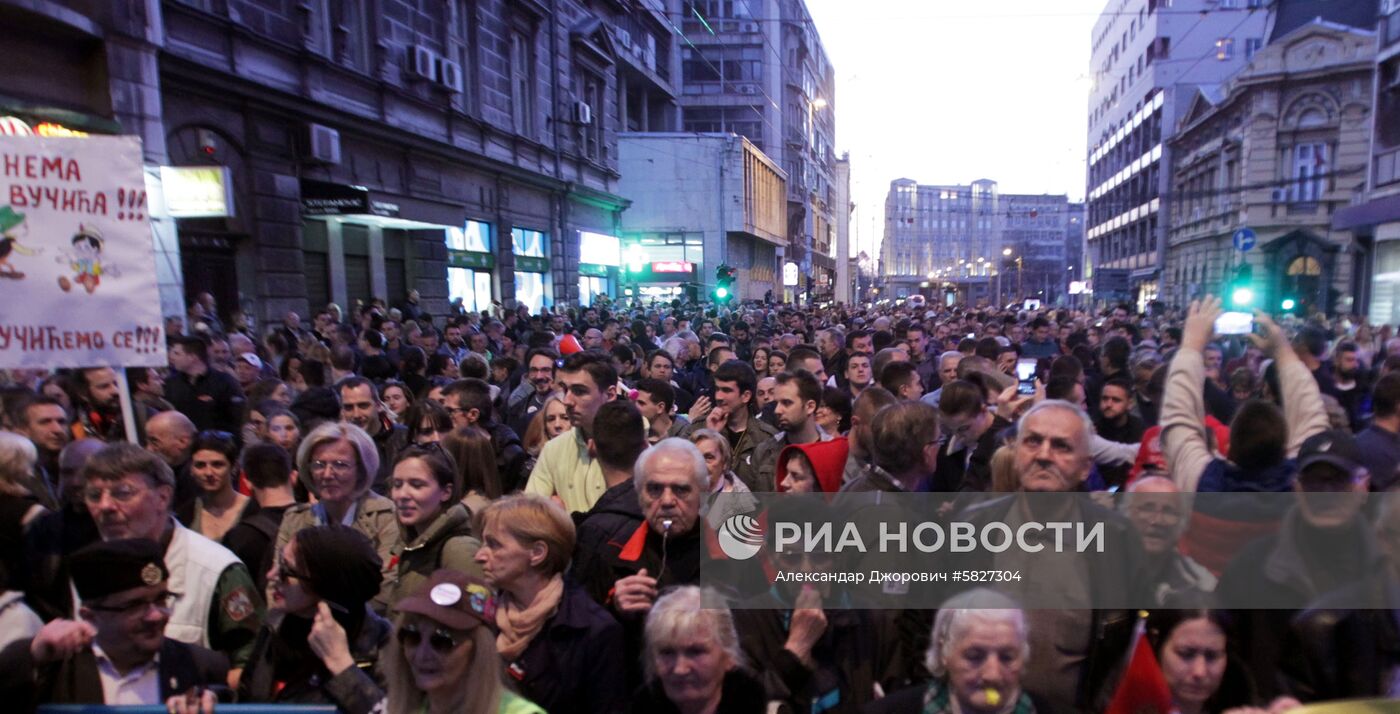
[[86, 261], [11, 228]]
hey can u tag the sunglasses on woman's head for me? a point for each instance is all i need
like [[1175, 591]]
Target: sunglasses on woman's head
[[441, 640]]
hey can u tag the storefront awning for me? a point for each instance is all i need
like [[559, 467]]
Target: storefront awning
[[1370, 213], [323, 198]]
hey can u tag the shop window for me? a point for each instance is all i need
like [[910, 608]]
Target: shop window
[[590, 287], [532, 244], [472, 286], [532, 291], [473, 236]]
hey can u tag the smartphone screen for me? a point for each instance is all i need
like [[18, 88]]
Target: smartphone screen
[[1234, 323]]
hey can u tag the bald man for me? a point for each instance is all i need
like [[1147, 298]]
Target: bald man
[[1160, 514], [170, 435]]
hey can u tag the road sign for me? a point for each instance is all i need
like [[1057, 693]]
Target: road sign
[[1244, 239]]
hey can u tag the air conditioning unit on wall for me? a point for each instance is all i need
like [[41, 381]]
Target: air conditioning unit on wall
[[422, 63], [450, 76], [323, 144], [583, 113]]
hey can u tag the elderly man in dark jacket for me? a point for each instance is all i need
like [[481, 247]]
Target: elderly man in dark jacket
[[119, 646]]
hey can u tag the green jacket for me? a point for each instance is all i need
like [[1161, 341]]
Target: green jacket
[[743, 461], [447, 542]]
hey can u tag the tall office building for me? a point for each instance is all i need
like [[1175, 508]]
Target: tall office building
[[757, 68], [1150, 58]]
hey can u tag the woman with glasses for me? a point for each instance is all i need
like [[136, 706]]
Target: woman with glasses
[[320, 641], [442, 658], [213, 465], [564, 649], [436, 527], [470, 449], [337, 463]]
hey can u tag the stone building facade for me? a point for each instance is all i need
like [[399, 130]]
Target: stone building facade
[[1278, 150], [463, 148]]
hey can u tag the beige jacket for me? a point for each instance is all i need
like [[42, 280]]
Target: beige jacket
[[374, 517]]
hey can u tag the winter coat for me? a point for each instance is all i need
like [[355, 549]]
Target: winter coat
[[742, 694], [577, 661], [289, 672], [447, 542], [743, 461], [374, 517]]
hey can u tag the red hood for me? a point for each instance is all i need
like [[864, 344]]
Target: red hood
[[828, 461]]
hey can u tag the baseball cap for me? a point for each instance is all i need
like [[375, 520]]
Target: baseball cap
[[250, 358], [454, 599], [1336, 447]]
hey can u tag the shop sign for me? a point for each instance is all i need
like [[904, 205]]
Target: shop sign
[[197, 191], [531, 265], [465, 259], [790, 274], [597, 271], [673, 266], [322, 198]]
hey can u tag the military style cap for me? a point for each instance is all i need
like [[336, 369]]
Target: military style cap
[[114, 566]]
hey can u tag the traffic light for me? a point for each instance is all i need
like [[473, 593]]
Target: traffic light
[[724, 284], [1241, 289], [1288, 304]]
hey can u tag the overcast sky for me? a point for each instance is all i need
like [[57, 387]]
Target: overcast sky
[[951, 92]]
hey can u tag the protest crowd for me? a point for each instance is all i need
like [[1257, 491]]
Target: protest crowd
[[388, 510]]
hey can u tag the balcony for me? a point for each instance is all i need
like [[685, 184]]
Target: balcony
[[644, 47]]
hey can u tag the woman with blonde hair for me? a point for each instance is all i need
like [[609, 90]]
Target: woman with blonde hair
[[563, 648], [550, 420], [479, 481], [440, 660]]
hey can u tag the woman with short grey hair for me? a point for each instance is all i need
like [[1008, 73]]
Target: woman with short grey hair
[[692, 659], [977, 655], [337, 462]]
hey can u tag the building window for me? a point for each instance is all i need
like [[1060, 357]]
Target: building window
[[473, 236], [1225, 48], [532, 290], [530, 244], [522, 96], [589, 89], [349, 33], [1310, 167], [720, 64], [744, 121], [1251, 46]]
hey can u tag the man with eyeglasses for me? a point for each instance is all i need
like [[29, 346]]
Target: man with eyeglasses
[[128, 493], [533, 391], [118, 653]]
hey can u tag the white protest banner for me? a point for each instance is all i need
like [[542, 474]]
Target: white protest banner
[[77, 269]]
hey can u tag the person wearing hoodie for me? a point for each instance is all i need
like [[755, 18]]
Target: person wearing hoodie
[[435, 526], [336, 462], [812, 468]]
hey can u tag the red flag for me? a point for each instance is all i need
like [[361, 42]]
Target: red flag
[[1143, 689]]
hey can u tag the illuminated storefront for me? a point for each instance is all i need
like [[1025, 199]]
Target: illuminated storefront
[[600, 256]]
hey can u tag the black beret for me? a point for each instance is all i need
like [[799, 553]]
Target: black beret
[[114, 566]]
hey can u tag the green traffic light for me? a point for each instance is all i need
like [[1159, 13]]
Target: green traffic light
[[1242, 297], [1289, 304], [721, 293]]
